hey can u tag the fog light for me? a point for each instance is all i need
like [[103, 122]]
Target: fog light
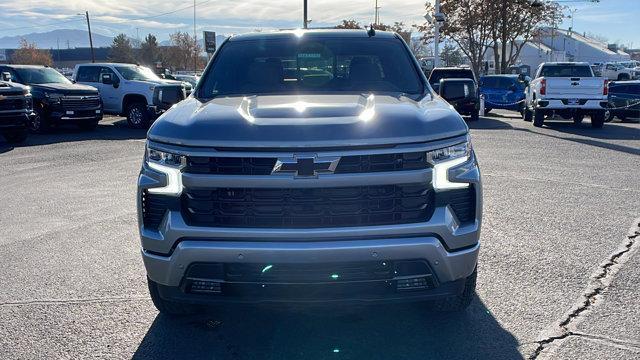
[[416, 283]]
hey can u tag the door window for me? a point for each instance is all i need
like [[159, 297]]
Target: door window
[[88, 74]]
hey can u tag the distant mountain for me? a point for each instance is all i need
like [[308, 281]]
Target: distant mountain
[[51, 39]]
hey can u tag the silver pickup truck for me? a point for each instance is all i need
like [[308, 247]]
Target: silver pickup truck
[[16, 106], [310, 166], [569, 90]]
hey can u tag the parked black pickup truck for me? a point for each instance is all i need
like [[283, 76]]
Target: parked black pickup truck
[[56, 99], [15, 108]]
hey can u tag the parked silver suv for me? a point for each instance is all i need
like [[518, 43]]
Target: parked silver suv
[[310, 166]]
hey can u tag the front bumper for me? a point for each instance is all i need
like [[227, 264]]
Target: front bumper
[[14, 120], [448, 246]]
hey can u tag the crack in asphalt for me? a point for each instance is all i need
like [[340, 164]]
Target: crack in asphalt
[[597, 285]]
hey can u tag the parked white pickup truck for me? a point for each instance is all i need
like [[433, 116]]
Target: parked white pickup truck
[[568, 89], [619, 72]]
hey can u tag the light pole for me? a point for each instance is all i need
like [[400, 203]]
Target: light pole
[[195, 41], [438, 18], [93, 56], [305, 22]]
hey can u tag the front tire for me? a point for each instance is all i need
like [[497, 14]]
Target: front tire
[[597, 120], [526, 114], [137, 116], [608, 116], [16, 136], [475, 115], [538, 118], [38, 123], [166, 307], [462, 301]]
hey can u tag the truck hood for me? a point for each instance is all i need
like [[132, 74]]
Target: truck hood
[[307, 121], [66, 89]]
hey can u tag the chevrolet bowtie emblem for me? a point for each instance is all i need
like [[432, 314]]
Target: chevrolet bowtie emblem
[[306, 166]]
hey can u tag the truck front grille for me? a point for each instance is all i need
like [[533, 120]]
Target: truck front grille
[[347, 164], [80, 102], [308, 207], [12, 104]]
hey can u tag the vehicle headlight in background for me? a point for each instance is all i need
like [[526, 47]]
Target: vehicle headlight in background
[[445, 159], [53, 97], [171, 166]]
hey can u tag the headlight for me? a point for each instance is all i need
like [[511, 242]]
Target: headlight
[[445, 159], [171, 166], [53, 97]]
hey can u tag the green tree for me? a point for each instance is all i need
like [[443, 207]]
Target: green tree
[[149, 51], [121, 50], [451, 55]]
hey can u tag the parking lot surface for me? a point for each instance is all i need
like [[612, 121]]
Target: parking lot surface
[[558, 273]]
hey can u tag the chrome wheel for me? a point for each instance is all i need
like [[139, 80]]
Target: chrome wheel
[[136, 117]]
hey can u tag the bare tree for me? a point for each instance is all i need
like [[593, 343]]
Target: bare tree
[[514, 24], [180, 55], [349, 24], [29, 54]]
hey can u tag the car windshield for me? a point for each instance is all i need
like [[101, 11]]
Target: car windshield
[[41, 76], [291, 66], [437, 75], [566, 71], [497, 82], [139, 73]]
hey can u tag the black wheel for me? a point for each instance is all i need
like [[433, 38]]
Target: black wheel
[[16, 136], [88, 125], [137, 116], [538, 118], [597, 120], [168, 307], [577, 119], [608, 116], [38, 122], [487, 110], [462, 301], [526, 114], [475, 115]]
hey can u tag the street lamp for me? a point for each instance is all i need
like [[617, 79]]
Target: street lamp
[[437, 19]]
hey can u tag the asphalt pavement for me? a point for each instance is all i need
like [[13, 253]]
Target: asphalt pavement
[[558, 274]]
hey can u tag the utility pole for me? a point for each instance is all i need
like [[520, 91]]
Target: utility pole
[[195, 40], [93, 55], [376, 19], [436, 37], [305, 22]]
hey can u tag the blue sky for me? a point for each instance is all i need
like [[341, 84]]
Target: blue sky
[[616, 20]]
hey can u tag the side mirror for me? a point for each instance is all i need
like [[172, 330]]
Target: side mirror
[[106, 79], [6, 76]]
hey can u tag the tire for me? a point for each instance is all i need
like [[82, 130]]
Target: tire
[[526, 114], [38, 123], [137, 116], [462, 301], [597, 120], [538, 118], [608, 116], [577, 119], [475, 115], [16, 136], [166, 307], [88, 125], [487, 110]]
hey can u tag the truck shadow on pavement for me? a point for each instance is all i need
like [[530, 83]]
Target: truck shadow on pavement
[[118, 130], [399, 331]]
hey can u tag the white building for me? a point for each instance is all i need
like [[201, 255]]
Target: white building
[[562, 45]]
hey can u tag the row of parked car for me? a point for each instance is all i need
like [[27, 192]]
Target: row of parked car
[[38, 97], [568, 90]]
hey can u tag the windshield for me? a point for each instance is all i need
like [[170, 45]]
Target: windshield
[[139, 73], [318, 65], [566, 71], [437, 75], [41, 76], [497, 82]]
